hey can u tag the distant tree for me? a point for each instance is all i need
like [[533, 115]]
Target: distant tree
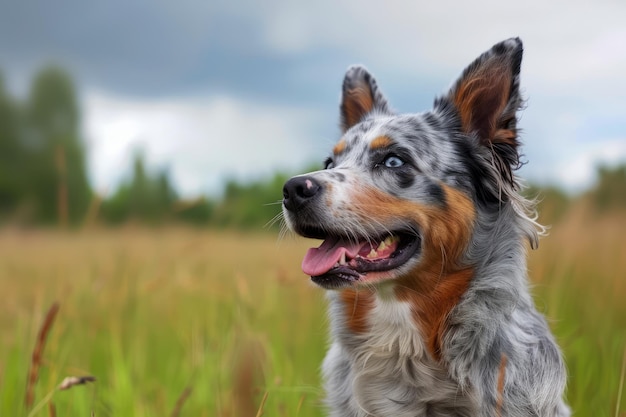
[[11, 154], [165, 193], [251, 205], [140, 191], [610, 190], [197, 212], [144, 197], [56, 170]]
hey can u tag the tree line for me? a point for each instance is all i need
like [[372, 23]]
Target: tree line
[[42, 158], [44, 181]]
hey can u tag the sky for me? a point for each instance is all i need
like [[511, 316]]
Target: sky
[[214, 90]]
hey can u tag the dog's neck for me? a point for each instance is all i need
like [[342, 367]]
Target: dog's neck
[[498, 252], [374, 321]]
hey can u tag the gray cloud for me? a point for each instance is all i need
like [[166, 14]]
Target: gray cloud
[[286, 55]]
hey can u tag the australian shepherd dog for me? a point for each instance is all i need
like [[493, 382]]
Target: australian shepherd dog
[[424, 245]]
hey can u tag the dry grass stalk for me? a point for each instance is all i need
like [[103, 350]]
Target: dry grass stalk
[[501, 374], [180, 402], [35, 364], [92, 210], [248, 371], [300, 403], [52, 410], [621, 384], [259, 413], [62, 192]]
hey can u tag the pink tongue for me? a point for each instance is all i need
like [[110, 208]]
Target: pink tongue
[[318, 261]]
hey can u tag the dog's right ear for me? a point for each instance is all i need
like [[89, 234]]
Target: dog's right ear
[[360, 95]]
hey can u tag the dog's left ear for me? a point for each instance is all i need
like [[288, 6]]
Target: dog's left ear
[[360, 96], [487, 98]]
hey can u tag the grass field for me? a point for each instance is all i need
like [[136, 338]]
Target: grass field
[[219, 320]]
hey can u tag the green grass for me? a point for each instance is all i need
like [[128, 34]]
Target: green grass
[[580, 276], [152, 312]]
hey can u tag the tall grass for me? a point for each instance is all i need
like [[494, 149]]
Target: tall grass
[[579, 275], [149, 313], [183, 322]]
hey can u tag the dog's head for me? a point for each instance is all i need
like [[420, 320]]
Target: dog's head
[[401, 193]]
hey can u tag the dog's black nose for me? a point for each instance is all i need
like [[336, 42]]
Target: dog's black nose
[[298, 190]]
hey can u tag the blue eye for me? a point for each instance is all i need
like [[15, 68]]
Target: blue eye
[[393, 162]]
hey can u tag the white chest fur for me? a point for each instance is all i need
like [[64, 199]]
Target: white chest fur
[[386, 371]]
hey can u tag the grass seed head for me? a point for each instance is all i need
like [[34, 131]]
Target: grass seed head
[[70, 381]]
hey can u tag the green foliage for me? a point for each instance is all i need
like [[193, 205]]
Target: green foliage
[[52, 103], [42, 163], [609, 193], [11, 153], [144, 197], [250, 205], [197, 212], [57, 156], [253, 205]]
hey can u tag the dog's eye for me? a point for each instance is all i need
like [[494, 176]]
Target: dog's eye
[[393, 162], [329, 163]]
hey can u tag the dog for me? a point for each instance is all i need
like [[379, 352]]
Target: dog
[[424, 235]]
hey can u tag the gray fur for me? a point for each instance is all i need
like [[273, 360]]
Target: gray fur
[[388, 370]]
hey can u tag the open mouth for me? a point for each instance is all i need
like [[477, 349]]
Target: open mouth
[[340, 261]]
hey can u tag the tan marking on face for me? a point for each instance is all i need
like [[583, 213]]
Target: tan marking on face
[[339, 147], [380, 142], [357, 305], [447, 228], [437, 283]]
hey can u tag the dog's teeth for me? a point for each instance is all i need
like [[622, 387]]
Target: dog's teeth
[[372, 254], [342, 260], [389, 240]]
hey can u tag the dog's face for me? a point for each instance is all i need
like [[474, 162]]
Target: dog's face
[[400, 193]]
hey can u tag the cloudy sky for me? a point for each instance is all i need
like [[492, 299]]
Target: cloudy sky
[[219, 89]]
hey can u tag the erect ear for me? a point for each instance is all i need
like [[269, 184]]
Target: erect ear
[[487, 99], [359, 96], [487, 93]]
